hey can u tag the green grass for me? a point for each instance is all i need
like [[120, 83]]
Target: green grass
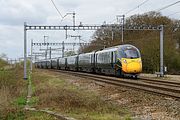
[[27, 115], [30, 115], [33, 101], [15, 115], [13, 93], [20, 101], [55, 92]]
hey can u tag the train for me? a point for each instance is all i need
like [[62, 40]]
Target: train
[[122, 60]]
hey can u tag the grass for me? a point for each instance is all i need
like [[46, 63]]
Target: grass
[[56, 93], [20, 101], [13, 92], [53, 92], [39, 116], [27, 115]]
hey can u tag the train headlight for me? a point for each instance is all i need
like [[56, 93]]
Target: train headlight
[[125, 61]]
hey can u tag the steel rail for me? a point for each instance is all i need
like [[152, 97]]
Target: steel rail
[[161, 82], [153, 87]]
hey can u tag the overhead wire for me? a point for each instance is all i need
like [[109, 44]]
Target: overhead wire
[[62, 17], [173, 14], [57, 9], [111, 22], [136, 7], [131, 10], [167, 6]]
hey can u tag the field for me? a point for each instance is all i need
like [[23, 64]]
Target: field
[[13, 92], [51, 92], [76, 97], [55, 92]]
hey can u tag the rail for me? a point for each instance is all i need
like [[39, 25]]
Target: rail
[[166, 88]]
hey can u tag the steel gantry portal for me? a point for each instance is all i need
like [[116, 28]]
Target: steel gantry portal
[[94, 27], [63, 44]]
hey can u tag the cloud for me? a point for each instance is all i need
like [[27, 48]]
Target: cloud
[[11, 39], [42, 12], [68, 4], [16, 12]]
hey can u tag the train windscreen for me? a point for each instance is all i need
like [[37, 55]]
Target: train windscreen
[[131, 53]]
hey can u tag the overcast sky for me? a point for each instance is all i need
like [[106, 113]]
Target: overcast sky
[[13, 13]]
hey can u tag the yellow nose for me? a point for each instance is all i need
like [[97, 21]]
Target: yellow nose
[[134, 67]]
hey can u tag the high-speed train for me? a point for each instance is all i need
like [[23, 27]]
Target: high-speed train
[[121, 60]]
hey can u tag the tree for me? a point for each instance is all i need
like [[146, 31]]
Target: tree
[[3, 55], [146, 41], [70, 53]]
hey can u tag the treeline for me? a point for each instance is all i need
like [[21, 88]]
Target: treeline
[[147, 41], [2, 63]]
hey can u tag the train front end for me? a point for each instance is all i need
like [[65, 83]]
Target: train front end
[[130, 59]]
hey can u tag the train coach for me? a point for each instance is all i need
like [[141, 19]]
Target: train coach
[[54, 63], [62, 63], [72, 63], [121, 60], [86, 62]]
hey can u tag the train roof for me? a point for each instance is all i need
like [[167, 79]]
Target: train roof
[[120, 46], [87, 53], [114, 48]]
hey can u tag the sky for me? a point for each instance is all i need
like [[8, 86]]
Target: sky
[[13, 14]]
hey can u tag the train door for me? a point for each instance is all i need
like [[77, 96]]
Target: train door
[[76, 63], [51, 64], [46, 64], [65, 65], [58, 66], [93, 62], [112, 60]]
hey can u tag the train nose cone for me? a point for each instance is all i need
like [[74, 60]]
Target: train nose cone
[[134, 67]]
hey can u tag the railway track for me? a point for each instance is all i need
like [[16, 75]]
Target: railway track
[[161, 82], [162, 87]]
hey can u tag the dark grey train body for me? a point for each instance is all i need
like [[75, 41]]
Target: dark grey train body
[[86, 62], [117, 60], [62, 63]]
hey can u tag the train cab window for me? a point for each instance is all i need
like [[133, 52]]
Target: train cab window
[[131, 53], [121, 54]]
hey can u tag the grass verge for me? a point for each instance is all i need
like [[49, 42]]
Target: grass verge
[[13, 92], [56, 93]]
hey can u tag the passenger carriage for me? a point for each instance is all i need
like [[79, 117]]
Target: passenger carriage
[[119, 60], [86, 62], [62, 63], [72, 63], [54, 63], [122, 60], [48, 64]]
